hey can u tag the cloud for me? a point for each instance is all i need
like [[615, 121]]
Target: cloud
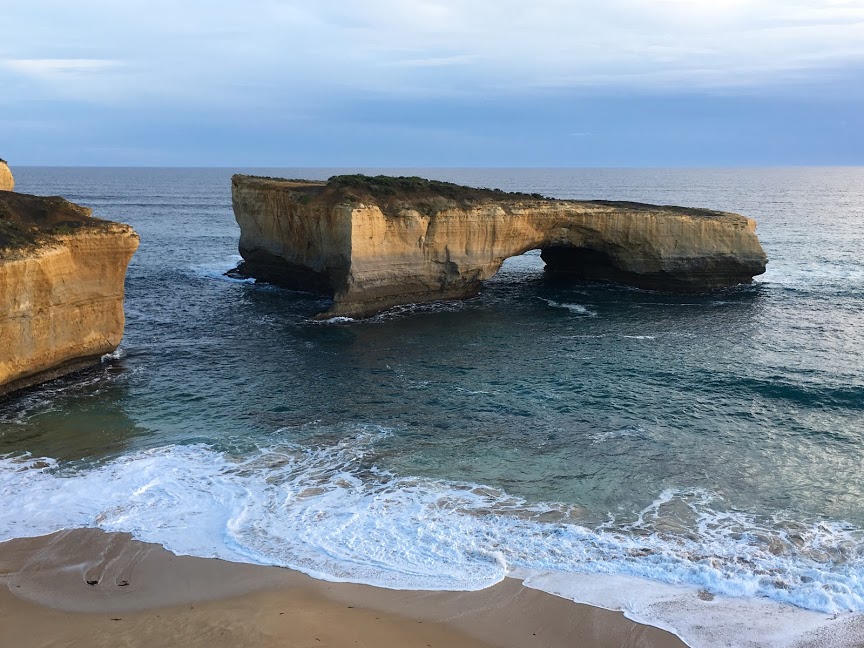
[[436, 61], [466, 66], [52, 68], [619, 43], [433, 47], [75, 79]]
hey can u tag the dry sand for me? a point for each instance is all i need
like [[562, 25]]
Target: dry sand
[[89, 588]]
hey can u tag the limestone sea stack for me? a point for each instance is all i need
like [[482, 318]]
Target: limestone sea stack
[[61, 287], [7, 182], [377, 242]]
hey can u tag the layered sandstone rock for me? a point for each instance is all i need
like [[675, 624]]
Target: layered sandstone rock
[[378, 242], [7, 182], [61, 287]]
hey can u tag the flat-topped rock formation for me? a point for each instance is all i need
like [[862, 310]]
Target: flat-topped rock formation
[[61, 287], [374, 243]]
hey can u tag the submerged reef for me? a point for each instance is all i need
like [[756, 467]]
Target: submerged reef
[[377, 242]]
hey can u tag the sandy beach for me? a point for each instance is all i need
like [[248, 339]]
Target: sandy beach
[[90, 588]]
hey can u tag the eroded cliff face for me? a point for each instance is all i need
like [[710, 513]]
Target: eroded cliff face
[[61, 288], [376, 243], [7, 182], [287, 236]]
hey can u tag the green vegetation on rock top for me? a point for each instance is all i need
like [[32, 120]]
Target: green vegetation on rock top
[[26, 221], [395, 194], [382, 186]]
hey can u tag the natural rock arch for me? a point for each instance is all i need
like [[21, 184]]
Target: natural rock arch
[[374, 243]]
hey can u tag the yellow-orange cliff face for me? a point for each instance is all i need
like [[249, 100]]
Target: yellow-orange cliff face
[[378, 242], [7, 182], [61, 287]]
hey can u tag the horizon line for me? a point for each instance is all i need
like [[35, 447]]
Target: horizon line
[[436, 166]]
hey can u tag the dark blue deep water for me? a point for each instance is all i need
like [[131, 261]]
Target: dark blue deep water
[[714, 440]]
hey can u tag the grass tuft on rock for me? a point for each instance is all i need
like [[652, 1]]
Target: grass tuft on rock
[[29, 221], [411, 187]]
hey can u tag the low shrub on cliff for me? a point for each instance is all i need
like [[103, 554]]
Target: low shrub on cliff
[[28, 221], [396, 193], [416, 187]]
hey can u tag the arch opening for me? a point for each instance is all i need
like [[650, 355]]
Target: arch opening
[[581, 262]]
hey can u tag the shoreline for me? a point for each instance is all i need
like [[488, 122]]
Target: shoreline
[[88, 587]]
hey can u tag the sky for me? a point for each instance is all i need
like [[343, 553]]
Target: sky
[[432, 83]]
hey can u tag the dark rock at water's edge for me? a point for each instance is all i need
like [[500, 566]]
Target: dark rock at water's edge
[[377, 242], [61, 288]]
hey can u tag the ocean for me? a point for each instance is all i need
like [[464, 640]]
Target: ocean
[[694, 460]]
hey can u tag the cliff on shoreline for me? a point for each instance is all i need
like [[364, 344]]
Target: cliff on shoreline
[[61, 287], [7, 182], [374, 243]]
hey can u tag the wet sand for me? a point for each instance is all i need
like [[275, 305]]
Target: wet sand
[[90, 588]]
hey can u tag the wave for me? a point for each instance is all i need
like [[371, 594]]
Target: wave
[[116, 354], [809, 394], [576, 309], [219, 269], [815, 275], [621, 433], [397, 312], [331, 513]]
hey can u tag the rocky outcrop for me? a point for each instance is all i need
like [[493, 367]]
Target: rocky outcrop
[[7, 182], [61, 288], [378, 242]]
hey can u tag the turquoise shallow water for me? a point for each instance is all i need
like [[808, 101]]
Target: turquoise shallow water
[[712, 439]]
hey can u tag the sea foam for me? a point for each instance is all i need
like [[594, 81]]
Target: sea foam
[[814, 274], [219, 270], [576, 309], [329, 512]]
